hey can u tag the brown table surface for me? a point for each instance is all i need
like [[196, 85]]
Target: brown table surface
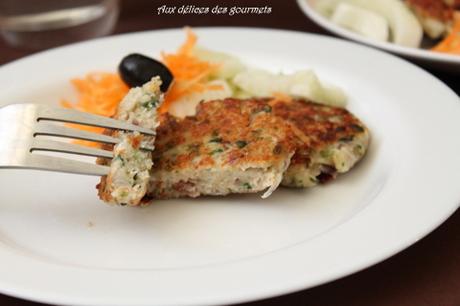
[[427, 273]]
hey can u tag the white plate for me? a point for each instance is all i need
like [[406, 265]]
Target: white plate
[[435, 59], [59, 244]]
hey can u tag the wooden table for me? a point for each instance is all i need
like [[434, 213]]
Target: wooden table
[[427, 273]]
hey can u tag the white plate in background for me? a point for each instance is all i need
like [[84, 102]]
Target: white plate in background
[[435, 59], [59, 244]]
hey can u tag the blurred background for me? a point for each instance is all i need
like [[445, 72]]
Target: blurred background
[[31, 26], [64, 21]]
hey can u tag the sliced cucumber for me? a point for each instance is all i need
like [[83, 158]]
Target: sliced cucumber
[[361, 21], [404, 26], [229, 65], [303, 83]]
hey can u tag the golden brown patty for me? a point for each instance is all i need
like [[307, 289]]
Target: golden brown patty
[[317, 125], [244, 129], [333, 140], [233, 136], [435, 16], [436, 9], [453, 3]]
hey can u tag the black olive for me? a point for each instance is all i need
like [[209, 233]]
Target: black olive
[[137, 69]]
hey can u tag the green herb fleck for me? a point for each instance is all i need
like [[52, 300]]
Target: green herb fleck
[[346, 138], [358, 149], [247, 186], [118, 157], [150, 104], [137, 156], [241, 143], [325, 153], [194, 147], [357, 128], [267, 109], [313, 180], [216, 139], [216, 151]]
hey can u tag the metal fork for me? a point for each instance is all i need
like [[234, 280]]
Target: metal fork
[[21, 128]]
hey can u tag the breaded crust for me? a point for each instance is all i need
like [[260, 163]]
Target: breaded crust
[[333, 140], [453, 3], [230, 146], [239, 146]]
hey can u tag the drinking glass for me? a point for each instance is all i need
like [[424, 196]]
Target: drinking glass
[[40, 24]]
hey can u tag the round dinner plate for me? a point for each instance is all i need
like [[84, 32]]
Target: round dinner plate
[[59, 244], [435, 59]]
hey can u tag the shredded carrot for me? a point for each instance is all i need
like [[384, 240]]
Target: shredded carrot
[[98, 93], [190, 73], [451, 44]]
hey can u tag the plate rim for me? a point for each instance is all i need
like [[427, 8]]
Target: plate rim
[[288, 288], [415, 53]]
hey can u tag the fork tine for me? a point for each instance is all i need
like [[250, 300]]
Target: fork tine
[[65, 147], [45, 112], [63, 131], [52, 163]]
